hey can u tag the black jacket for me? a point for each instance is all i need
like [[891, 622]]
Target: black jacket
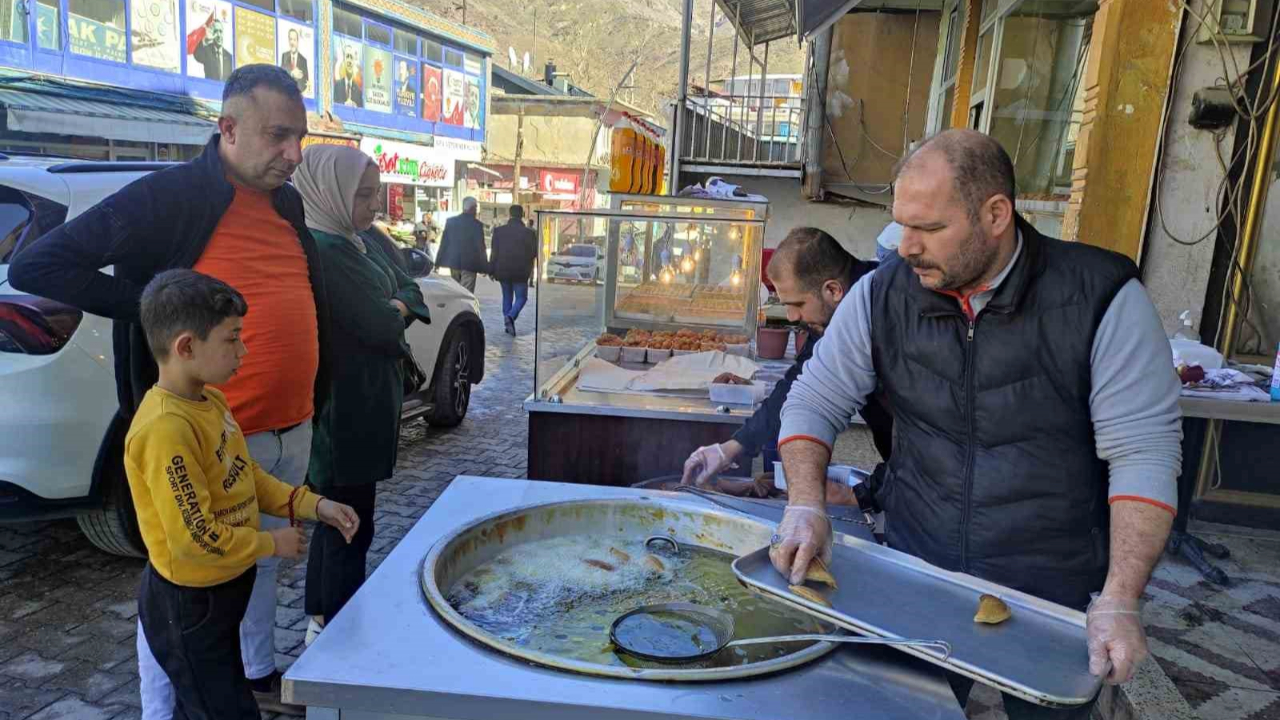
[[761, 429], [462, 246], [159, 222], [994, 469], [515, 249]]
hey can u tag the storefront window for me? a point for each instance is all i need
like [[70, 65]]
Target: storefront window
[[264, 4], [347, 23], [433, 51], [13, 21], [96, 29], [406, 42], [303, 10], [49, 25], [1043, 46], [377, 34], [452, 57]]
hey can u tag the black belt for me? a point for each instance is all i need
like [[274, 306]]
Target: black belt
[[282, 431]]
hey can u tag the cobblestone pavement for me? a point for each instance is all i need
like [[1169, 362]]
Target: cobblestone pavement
[[68, 611]]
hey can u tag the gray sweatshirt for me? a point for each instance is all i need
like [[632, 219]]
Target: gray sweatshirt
[[1134, 402]]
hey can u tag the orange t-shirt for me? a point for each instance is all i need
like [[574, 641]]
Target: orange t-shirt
[[257, 252]]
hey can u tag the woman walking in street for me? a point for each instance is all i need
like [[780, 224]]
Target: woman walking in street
[[357, 431]]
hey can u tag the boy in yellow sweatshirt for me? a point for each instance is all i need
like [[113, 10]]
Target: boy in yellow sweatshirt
[[198, 496]]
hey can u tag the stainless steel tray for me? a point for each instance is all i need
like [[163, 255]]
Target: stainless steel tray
[[1038, 655]]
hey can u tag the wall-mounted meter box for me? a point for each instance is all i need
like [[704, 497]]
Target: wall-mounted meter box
[[1235, 21]]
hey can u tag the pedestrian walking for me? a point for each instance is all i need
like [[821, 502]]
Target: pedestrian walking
[[514, 252], [462, 247], [357, 432], [229, 214]]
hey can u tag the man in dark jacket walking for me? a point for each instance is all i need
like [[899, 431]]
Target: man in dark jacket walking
[[231, 214], [462, 247], [515, 249]]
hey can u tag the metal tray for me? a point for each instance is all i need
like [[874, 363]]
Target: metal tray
[[1039, 654]]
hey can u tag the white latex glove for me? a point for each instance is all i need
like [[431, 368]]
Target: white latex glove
[[804, 533], [1116, 639], [705, 463]]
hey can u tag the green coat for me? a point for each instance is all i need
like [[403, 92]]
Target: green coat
[[357, 431]]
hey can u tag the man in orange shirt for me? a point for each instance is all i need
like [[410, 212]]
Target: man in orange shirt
[[229, 214]]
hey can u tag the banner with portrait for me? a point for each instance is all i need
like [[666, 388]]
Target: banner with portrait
[[297, 45], [406, 86], [154, 35], [455, 97], [255, 38], [377, 79], [209, 39], [475, 104], [432, 95], [348, 85]]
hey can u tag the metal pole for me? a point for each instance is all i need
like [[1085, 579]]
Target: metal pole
[[814, 115], [682, 98], [764, 80], [515, 173], [1248, 247], [706, 90], [751, 66], [733, 74]]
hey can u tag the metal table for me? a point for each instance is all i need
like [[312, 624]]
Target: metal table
[[386, 655]]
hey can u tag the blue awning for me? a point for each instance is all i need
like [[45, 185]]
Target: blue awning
[[37, 112]]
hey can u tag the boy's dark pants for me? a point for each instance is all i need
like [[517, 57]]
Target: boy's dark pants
[[195, 635]]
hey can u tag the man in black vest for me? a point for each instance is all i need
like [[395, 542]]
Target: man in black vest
[[1036, 424]]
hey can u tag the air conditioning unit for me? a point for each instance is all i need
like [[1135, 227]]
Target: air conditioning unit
[[1235, 21]]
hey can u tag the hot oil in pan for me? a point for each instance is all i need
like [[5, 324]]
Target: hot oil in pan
[[560, 596]]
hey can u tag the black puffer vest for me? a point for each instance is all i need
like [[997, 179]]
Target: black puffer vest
[[994, 470]]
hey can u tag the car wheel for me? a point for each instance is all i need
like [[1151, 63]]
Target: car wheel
[[113, 528], [453, 386]]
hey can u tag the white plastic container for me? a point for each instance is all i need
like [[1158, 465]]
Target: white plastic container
[[730, 394], [657, 355], [743, 350], [609, 353], [634, 354]]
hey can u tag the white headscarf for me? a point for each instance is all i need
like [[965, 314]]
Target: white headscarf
[[328, 178]]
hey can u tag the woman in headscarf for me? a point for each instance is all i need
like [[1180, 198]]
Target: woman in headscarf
[[357, 431]]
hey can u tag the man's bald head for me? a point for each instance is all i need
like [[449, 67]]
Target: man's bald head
[[980, 167]]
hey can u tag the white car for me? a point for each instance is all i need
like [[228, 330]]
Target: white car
[[576, 263], [60, 451]]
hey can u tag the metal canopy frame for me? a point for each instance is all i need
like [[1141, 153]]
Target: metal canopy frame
[[761, 21]]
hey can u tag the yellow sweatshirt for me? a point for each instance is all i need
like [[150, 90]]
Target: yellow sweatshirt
[[198, 493]]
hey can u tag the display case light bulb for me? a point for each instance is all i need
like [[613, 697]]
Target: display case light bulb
[[735, 279], [733, 233], [686, 265], [666, 276], [697, 253]]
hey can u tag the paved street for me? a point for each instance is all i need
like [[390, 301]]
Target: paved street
[[68, 611]]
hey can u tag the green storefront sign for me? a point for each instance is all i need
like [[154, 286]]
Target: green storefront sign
[[95, 40]]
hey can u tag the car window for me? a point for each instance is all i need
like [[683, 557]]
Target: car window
[[581, 251], [24, 218]]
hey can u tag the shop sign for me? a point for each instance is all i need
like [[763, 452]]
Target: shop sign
[[95, 40], [460, 150], [310, 140], [255, 38], [409, 164], [557, 182]]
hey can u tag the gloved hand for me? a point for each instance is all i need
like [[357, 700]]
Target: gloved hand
[[708, 461], [804, 533], [1116, 638]]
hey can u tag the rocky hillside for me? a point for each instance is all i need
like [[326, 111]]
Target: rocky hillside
[[595, 41]]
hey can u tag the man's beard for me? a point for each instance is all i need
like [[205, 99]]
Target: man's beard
[[829, 311], [970, 262]]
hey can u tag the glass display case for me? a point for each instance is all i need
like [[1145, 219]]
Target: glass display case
[[611, 271]]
